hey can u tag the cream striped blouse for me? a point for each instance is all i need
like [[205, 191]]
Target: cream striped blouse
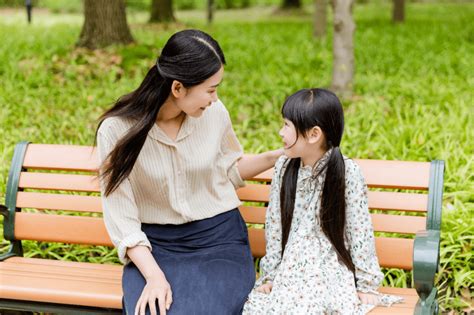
[[173, 182]]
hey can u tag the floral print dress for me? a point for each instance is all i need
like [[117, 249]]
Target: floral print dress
[[309, 279]]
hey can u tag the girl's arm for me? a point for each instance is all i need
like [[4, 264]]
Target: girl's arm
[[251, 165], [359, 231]]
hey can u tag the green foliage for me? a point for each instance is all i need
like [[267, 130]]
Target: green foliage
[[413, 99]]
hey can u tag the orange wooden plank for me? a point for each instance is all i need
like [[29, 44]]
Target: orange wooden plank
[[61, 228], [255, 215], [257, 242], [382, 200], [45, 201], [61, 157], [52, 181], [386, 174], [395, 174], [395, 252], [64, 283], [254, 193], [398, 223]]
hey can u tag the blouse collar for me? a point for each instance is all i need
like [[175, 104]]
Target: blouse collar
[[186, 129]]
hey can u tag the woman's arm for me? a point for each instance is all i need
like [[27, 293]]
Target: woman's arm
[[156, 288], [252, 165]]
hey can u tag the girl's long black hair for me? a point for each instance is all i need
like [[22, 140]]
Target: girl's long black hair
[[306, 109], [190, 57]]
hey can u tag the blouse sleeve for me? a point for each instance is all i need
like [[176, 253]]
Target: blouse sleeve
[[231, 152], [119, 209], [270, 262], [359, 231]]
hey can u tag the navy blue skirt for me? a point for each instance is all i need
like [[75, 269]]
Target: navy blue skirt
[[207, 263]]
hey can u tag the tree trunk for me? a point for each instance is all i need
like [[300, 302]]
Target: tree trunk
[[105, 23], [287, 4], [320, 18], [343, 47], [162, 11], [210, 11], [398, 11]]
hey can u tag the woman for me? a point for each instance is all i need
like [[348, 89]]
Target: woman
[[170, 164]]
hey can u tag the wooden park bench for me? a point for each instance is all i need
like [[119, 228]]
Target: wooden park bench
[[43, 176]]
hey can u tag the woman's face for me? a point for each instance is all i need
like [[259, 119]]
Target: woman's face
[[199, 97]]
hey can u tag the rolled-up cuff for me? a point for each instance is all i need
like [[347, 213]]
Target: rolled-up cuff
[[130, 241], [235, 177]]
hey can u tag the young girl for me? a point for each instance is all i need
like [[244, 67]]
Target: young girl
[[320, 252], [170, 165]]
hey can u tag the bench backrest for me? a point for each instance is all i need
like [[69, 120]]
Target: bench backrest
[[48, 182]]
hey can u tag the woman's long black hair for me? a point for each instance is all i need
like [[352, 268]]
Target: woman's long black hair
[[190, 57], [306, 109]]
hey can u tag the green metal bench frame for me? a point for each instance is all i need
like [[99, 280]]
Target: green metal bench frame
[[425, 251]]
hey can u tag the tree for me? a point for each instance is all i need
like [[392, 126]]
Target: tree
[[105, 23], [210, 11], [162, 11], [291, 4], [320, 18], [398, 11], [343, 47]]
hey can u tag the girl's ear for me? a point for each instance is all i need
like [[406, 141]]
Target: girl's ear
[[177, 89], [314, 135]]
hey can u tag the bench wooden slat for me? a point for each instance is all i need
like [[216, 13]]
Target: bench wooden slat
[[61, 157], [47, 201], [100, 285], [66, 182], [378, 200], [392, 252], [395, 252], [398, 223], [61, 282], [385, 174], [253, 215], [252, 192], [61, 228], [257, 242], [381, 222]]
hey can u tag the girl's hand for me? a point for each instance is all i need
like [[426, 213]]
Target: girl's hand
[[156, 288], [368, 298], [265, 288]]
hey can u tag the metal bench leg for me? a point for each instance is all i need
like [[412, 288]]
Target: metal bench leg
[[429, 306]]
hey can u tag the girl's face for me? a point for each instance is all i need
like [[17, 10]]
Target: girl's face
[[294, 145], [196, 99]]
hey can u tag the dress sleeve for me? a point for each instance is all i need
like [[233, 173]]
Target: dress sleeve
[[231, 152], [359, 231], [270, 262], [120, 210]]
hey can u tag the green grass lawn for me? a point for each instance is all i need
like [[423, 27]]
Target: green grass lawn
[[413, 97]]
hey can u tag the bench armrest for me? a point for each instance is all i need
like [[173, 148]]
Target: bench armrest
[[425, 265]]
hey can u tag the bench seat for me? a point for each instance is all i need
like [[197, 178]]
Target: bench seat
[[99, 285]]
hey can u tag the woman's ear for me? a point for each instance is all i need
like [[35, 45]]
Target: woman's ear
[[314, 135], [177, 89]]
